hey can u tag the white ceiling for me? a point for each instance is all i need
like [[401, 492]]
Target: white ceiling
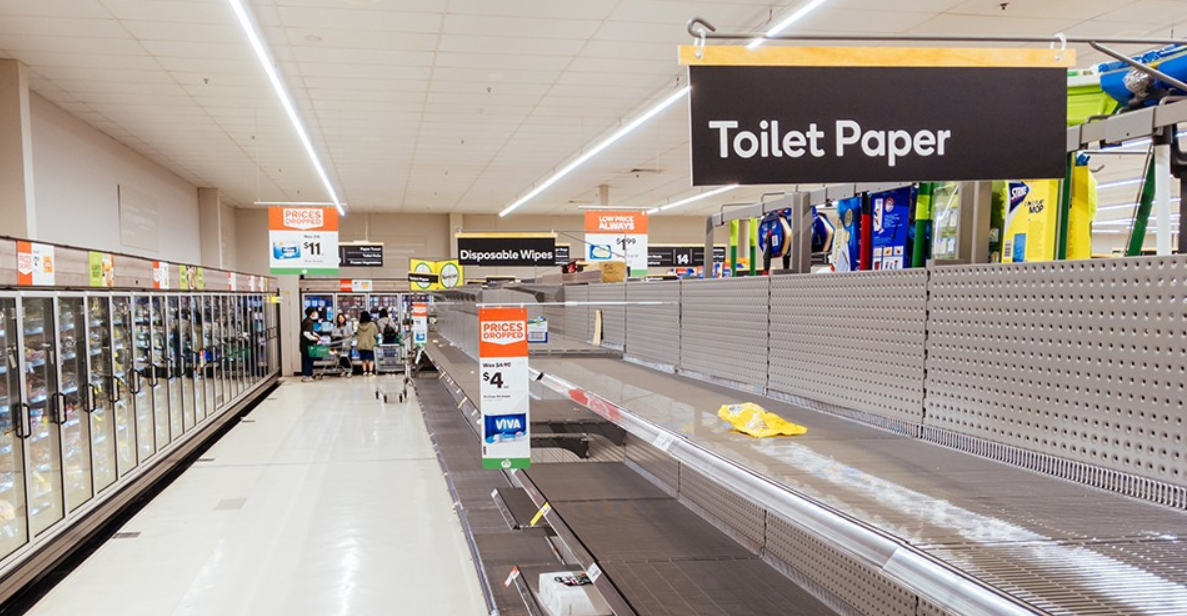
[[449, 105]]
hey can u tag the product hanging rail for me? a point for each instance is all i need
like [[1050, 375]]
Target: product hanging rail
[[699, 28]]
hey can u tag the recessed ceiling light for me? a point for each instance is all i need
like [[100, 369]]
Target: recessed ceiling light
[[313, 38]]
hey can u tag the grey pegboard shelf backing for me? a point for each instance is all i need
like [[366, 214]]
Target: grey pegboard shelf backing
[[613, 316], [854, 340], [723, 330], [577, 317], [1084, 363], [653, 331]]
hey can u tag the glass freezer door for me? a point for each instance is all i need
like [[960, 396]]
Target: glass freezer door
[[120, 389], [70, 400], [44, 444], [158, 372], [176, 369], [14, 530], [185, 354], [197, 356], [228, 332], [141, 377], [211, 354], [241, 335], [99, 399]]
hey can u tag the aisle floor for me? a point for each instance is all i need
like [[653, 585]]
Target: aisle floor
[[323, 502]]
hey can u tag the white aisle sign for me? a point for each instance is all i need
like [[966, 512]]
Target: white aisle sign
[[420, 323], [503, 362], [617, 236], [303, 240]]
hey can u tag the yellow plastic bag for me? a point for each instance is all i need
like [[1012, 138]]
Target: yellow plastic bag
[[752, 419]]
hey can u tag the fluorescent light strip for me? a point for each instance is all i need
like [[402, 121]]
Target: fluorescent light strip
[[693, 199], [1120, 183], [594, 151], [786, 23], [1128, 206], [286, 101]]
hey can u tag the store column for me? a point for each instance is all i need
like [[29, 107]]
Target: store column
[[17, 211]]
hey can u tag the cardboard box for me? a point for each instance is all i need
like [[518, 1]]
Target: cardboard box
[[613, 271]]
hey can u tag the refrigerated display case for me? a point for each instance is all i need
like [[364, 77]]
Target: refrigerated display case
[[191, 396], [323, 302], [14, 531], [94, 386], [177, 402], [352, 305], [140, 379], [99, 399], [44, 484], [386, 301], [121, 390], [70, 401], [158, 371]]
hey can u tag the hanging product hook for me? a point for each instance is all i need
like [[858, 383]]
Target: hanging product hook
[[1062, 45], [700, 29]]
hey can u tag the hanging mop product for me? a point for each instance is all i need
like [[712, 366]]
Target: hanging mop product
[[1083, 213], [1031, 221], [945, 211], [752, 419], [891, 214], [847, 245]]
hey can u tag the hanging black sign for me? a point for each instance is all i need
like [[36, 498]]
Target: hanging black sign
[[423, 278], [562, 254], [812, 125], [681, 256], [507, 250], [360, 255]]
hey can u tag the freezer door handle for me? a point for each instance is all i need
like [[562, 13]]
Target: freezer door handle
[[58, 404], [23, 429], [91, 404]]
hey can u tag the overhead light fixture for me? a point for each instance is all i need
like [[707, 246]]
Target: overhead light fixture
[[1128, 206], [786, 23], [286, 101], [693, 199], [594, 151], [1120, 183]]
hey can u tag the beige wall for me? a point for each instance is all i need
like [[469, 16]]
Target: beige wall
[[77, 171]]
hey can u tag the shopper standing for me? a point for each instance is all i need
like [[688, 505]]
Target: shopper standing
[[342, 329], [308, 339], [388, 328], [366, 336]]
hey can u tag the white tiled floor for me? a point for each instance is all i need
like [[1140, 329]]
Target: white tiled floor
[[326, 503]]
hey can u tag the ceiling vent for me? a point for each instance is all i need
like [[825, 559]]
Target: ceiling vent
[[640, 170]]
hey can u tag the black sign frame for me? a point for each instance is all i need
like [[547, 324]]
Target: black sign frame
[[360, 255], [507, 250], [992, 123]]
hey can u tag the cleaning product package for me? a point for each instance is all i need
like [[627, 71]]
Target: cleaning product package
[[1031, 221], [892, 228], [945, 205], [1083, 212], [847, 244]]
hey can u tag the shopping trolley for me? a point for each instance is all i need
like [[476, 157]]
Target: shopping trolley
[[332, 359]]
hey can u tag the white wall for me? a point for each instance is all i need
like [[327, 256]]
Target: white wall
[[77, 171]]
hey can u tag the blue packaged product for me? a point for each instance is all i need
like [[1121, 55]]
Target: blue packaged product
[[505, 428], [892, 225], [286, 250], [847, 244]]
